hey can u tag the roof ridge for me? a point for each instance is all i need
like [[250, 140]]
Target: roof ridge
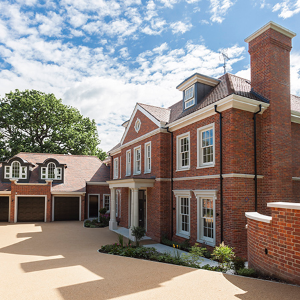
[[61, 154], [295, 96], [139, 103]]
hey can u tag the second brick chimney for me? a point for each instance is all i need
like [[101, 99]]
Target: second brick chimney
[[269, 49]]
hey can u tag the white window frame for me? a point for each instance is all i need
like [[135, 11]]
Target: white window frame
[[108, 195], [137, 125], [120, 167], [22, 172], [200, 163], [178, 156], [182, 194], [116, 168], [128, 163], [135, 172], [147, 168], [190, 101], [200, 195], [57, 172]]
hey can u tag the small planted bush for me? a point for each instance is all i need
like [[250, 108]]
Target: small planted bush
[[138, 232], [238, 263], [224, 255], [247, 272]]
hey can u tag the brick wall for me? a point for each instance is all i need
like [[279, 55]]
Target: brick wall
[[274, 248], [98, 190], [146, 126], [270, 76], [37, 189]]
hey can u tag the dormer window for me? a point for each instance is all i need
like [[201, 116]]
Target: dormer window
[[189, 99], [15, 171], [51, 172]]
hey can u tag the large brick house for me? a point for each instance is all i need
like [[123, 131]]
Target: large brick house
[[230, 146], [52, 187]]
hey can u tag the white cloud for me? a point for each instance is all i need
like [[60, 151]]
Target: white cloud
[[169, 3], [124, 53], [180, 27], [163, 47], [192, 1], [196, 9], [50, 25], [287, 8], [295, 73], [218, 9]]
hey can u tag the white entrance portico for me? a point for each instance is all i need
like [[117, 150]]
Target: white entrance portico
[[134, 184]]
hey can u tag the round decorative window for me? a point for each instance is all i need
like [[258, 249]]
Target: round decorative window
[[137, 125]]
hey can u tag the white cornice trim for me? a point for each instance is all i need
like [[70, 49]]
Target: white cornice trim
[[5, 193], [196, 177], [131, 183], [67, 193], [232, 175], [296, 178], [183, 193], [295, 116], [162, 179], [287, 205], [197, 78], [147, 114], [205, 193], [258, 217], [96, 183], [274, 26], [237, 175], [231, 101], [18, 183]]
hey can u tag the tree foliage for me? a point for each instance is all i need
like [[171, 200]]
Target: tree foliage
[[32, 121]]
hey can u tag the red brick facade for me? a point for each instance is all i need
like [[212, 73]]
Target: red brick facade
[[274, 248], [277, 154]]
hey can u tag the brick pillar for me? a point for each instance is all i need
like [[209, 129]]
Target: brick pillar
[[269, 49]]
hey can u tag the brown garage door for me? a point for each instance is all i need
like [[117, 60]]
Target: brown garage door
[[4, 207], [66, 209], [31, 209]]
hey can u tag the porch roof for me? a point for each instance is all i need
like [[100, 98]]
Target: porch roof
[[133, 183]]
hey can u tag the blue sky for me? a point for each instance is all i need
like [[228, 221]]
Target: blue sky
[[104, 56]]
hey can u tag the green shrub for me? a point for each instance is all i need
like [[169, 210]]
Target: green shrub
[[195, 254], [247, 272], [92, 226], [103, 211], [224, 255], [238, 263], [121, 240], [138, 232]]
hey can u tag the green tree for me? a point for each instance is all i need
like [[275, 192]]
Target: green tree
[[32, 121]]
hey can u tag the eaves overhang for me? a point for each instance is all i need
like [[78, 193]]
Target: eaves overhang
[[134, 183], [197, 78]]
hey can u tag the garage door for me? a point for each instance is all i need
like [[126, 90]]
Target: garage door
[[66, 209], [31, 209], [4, 208]]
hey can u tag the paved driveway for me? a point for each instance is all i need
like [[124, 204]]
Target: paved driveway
[[60, 261]]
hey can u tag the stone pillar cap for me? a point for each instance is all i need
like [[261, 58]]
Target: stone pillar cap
[[274, 26]]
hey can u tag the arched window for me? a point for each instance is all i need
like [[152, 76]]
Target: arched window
[[51, 171], [15, 169]]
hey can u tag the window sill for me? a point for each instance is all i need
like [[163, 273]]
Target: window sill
[[148, 172], [115, 177], [205, 242], [179, 170], [136, 173], [186, 236], [206, 166], [128, 175]]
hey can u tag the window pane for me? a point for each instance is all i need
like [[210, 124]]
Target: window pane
[[15, 170]]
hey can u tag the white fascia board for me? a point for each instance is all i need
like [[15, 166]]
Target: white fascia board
[[295, 116], [68, 193], [96, 183], [258, 217], [205, 193], [183, 193], [287, 205], [231, 101], [198, 78], [142, 110], [5, 193]]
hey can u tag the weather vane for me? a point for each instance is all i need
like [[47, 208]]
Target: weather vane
[[224, 57]]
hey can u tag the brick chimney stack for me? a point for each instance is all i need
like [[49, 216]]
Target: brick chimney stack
[[269, 49]]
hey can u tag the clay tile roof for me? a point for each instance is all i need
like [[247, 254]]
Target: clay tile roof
[[295, 103], [114, 148], [229, 84], [79, 169], [159, 113]]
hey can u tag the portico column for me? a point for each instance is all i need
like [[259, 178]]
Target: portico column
[[113, 222], [134, 211]]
